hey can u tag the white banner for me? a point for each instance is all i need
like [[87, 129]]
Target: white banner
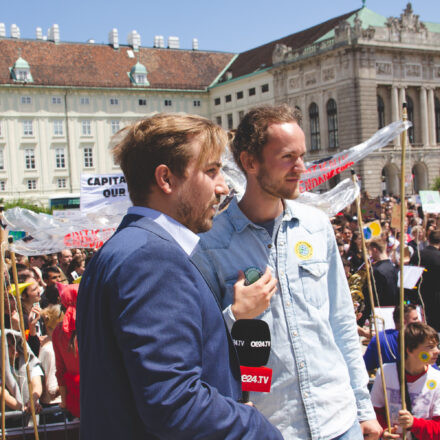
[[99, 190]]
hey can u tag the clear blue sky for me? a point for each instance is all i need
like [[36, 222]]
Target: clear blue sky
[[227, 25]]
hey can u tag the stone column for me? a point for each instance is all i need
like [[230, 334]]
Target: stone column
[[402, 99], [424, 117], [395, 110], [431, 117]]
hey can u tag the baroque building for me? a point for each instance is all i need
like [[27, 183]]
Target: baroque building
[[61, 102]]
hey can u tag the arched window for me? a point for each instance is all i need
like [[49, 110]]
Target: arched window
[[332, 121], [380, 112], [315, 138], [410, 110], [300, 116], [437, 120]]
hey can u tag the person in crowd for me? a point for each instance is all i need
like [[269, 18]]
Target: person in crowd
[[30, 301], [153, 345], [64, 259], [66, 351], [417, 243], [52, 316], [17, 396], [422, 382], [319, 384], [347, 235], [430, 285], [76, 268], [51, 275], [389, 339], [51, 295], [37, 261], [384, 274], [354, 253]]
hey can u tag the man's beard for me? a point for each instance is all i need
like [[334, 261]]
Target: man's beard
[[191, 216], [276, 189]]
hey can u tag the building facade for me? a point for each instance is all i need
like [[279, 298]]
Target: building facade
[[60, 103]]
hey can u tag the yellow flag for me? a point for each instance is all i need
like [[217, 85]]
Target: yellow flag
[[21, 287]]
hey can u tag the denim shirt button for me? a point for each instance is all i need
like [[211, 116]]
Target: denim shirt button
[[288, 305], [295, 333], [269, 245], [306, 394], [301, 365]]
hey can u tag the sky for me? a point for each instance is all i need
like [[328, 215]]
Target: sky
[[227, 25]]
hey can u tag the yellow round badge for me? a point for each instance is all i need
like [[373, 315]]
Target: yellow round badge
[[424, 356], [303, 250], [431, 384]]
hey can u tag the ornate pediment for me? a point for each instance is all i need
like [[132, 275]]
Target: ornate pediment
[[280, 53], [407, 23]]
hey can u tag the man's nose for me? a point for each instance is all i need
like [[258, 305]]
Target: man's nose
[[300, 166], [220, 187]]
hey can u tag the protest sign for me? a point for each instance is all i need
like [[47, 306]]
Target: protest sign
[[99, 190], [395, 216], [370, 208], [430, 201]]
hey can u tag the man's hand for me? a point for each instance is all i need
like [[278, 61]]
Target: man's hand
[[371, 429], [251, 301], [34, 316], [387, 435], [405, 419]]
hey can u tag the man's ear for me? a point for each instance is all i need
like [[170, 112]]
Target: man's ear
[[249, 162], [164, 178]]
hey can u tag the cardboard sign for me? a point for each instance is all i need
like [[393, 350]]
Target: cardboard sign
[[370, 208], [99, 190], [395, 216]]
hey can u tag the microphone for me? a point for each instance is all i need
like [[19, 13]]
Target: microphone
[[252, 341]]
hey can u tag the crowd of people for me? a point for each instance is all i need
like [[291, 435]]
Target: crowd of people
[[146, 283]]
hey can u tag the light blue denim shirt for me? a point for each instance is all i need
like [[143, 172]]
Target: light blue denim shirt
[[319, 382]]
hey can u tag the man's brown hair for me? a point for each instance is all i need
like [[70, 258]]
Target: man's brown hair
[[251, 134], [417, 333], [434, 237], [163, 139], [377, 243]]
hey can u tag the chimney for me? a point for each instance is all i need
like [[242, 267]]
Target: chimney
[[53, 34], [2, 30], [15, 31], [195, 44], [159, 41], [113, 38], [39, 33], [173, 43], [91, 41], [134, 40]]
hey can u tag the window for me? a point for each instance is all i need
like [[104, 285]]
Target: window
[[27, 128], [23, 75], [142, 101], [2, 185], [84, 100], [410, 109], [196, 103], [31, 184], [60, 158], [230, 121], [332, 122], [56, 100], [86, 128], [88, 157], [26, 100], [240, 95], [218, 120], [217, 101], [228, 98], [29, 158], [252, 91], [437, 120], [315, 139], [115, 126], [168, 102], [114, 101], [57, 128], [380, 112], [140, 78], [61, 182], [2, 159], [264, 88], [240, 115]]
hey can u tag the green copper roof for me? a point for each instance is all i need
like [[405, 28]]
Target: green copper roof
[[139, 69], [21, 64], [432, 27], [367, 17]]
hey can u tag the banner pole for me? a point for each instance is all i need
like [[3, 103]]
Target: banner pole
[[373, 308]]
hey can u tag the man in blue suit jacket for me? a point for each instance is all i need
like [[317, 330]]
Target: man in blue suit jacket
[[156, 358]]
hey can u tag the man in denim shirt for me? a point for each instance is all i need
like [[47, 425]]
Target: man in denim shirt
[[319, 386]]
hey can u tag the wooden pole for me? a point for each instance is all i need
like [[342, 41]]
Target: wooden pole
[[402, 249], [23, 337], [3, 336], [373, 308]]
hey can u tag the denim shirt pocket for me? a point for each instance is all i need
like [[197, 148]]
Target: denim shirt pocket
[[313, 274]]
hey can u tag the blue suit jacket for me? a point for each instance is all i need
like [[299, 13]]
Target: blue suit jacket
[[155, 356]]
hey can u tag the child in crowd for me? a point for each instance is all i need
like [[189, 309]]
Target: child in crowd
[[422, 416]]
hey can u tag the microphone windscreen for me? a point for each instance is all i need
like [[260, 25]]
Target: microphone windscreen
[[252, 341]]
